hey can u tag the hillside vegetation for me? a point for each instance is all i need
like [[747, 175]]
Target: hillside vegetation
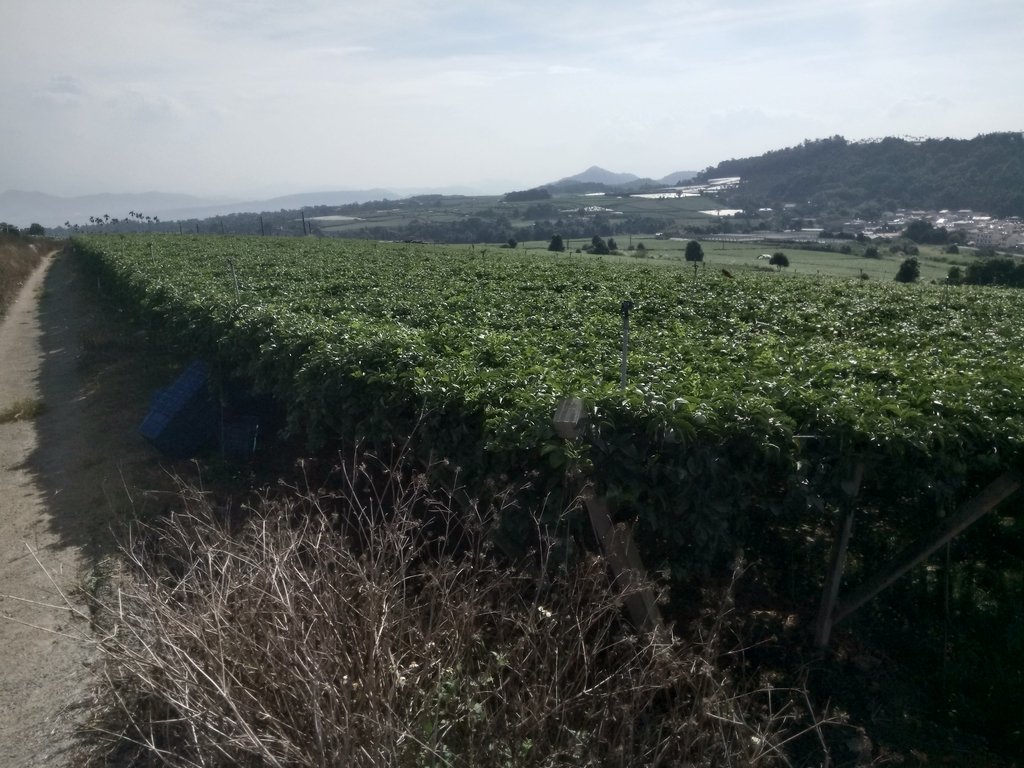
[[983, 174]]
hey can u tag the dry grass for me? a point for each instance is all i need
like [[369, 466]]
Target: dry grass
[[372, 626], [22, 410], [18, 257]]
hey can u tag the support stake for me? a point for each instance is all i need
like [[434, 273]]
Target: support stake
[[823, 626], [626, 306], [969, 513], [617, 541]]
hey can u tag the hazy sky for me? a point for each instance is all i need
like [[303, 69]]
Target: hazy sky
[[245, 98]]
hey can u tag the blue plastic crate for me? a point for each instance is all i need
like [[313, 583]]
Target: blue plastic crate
[[182, 418]]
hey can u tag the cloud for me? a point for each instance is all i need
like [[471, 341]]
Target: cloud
[[212, 97], [65, 85]]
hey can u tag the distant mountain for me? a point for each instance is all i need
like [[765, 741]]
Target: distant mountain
[[595, 175], [23, 208], [674, 178], [598, 179], [286, 202], [983, 174]]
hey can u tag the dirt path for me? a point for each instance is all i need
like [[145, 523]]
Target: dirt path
[[66, 479]]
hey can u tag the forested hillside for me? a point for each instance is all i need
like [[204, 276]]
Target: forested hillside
[[984, 174]]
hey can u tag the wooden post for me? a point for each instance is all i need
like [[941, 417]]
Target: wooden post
[[616, 540], [624, 558], [234, 278], [969, 513], [823, 626], [626, 306]]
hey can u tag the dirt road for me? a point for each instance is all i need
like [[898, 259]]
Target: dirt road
[[67, 479]]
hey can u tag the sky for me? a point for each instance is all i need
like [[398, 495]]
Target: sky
[[253, 98]]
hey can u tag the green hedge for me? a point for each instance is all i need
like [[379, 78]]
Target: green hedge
[[746, 401]]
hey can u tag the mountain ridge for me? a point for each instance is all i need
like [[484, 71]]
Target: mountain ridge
[[21, 207], [984, 174]]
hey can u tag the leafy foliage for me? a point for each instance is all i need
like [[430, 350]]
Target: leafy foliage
[[746, 398], [995, 271], [599, 246], [909, 271], [528, 195], [922, 231], [694, 251]]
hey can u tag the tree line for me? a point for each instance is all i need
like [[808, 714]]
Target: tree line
[[984, 174]]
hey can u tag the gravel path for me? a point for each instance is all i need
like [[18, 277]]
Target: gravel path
[[66, 478]]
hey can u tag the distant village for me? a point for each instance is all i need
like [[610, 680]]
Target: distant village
[[980, 231]]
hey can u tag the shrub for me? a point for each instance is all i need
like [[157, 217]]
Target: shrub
[[909, 271]]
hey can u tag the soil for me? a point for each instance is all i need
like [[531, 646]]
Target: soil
[[69, 478]]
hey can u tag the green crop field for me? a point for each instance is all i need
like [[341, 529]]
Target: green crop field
[[352, 335], [745, 396], [740, 255]]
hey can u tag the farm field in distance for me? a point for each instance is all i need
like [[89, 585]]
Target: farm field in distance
[[682, 210], [724, 250], [734, 254]]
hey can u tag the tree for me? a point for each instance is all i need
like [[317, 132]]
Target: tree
[[694, 252], [36, 229], [556, 244], [598, 245], [922, 231], [512, 242], [779, 260], [955, 276], [909, 271], [871, 252], [537, 193], [612, 245], [995, 272]]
